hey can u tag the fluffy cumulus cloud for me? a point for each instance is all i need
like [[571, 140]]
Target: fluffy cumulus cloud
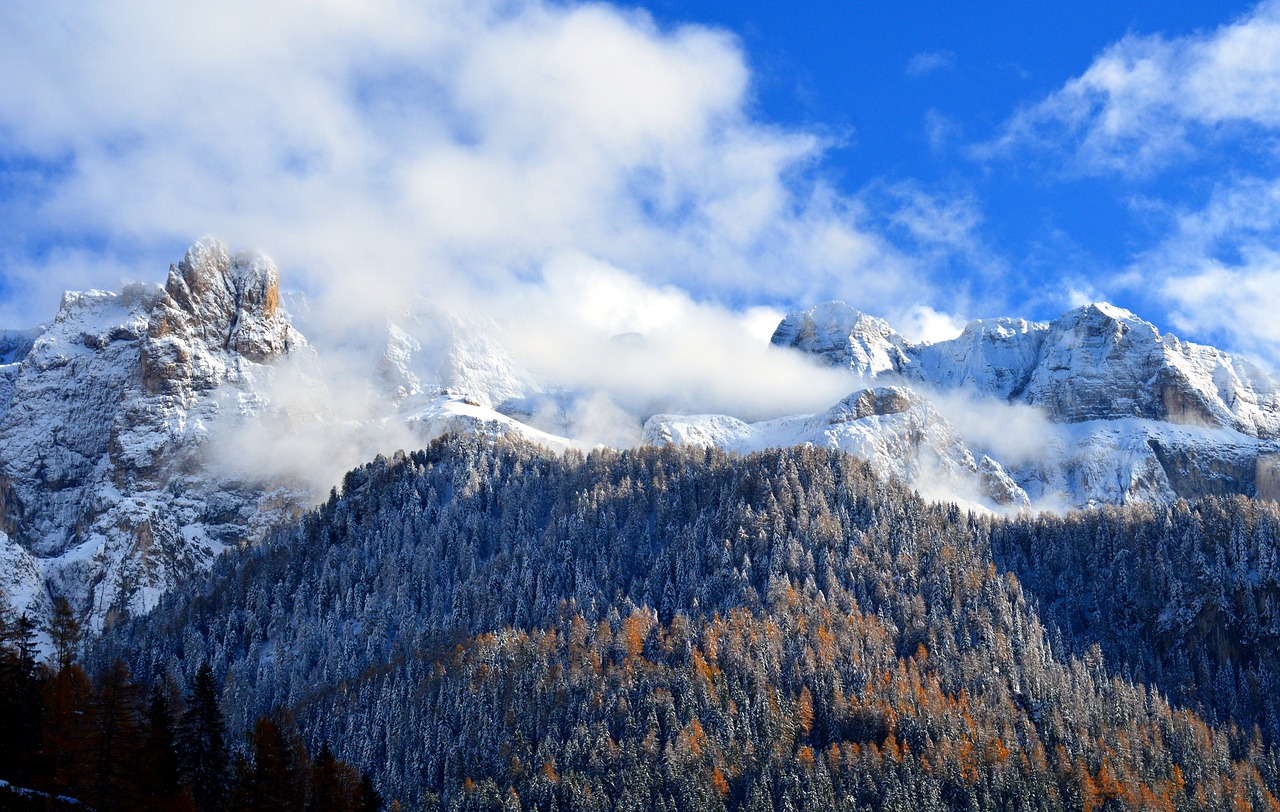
[[588, 183], [1149, 100], [390, 146]]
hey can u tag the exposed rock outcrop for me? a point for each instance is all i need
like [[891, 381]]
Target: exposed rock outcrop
[[103, 477], [1145, 416]]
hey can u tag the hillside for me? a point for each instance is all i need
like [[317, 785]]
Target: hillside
[[689, 629]]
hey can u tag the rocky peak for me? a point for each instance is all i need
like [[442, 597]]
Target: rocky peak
[[844, 337], [107, 480], [882, 400], [1103, 362], [213, 304], [1096, 362], [995, 356]]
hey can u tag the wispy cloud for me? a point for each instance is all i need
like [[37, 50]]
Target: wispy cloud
[[1219, 267], [930, 61], [1146, 109], [1147, 101]]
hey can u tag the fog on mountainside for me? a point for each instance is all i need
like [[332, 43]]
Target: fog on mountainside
[[146, 431]]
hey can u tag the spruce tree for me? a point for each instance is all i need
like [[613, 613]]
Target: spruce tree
[[202, 745]]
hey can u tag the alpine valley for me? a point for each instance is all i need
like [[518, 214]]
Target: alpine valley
[[1034, 566]]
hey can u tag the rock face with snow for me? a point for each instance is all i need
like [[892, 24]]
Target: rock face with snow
[[1136, 415], [1097, 362], [127, 426], [845, 338], [894, 429], [104, 488]]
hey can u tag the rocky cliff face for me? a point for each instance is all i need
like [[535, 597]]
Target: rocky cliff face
[[104, 486], [1141, 416]]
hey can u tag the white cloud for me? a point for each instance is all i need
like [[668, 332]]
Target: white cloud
[[1148, 100], [1239, 302], [930, 61], [1219, 268], [397, 146], [572, 171], [923, 324]]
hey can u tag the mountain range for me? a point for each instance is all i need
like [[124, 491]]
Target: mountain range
[[145, 431]]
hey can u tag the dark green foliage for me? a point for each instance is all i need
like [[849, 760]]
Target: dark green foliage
[[20, 700], [69, 743], [117, 742], [160, 754], [64, 631]]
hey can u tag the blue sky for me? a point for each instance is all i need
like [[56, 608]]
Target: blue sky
[[927, 162], [912, 92]]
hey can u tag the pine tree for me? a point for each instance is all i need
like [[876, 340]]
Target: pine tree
[[370, 798], [161, 751], [20, 703], [65, 633], [202, 744], [117, 742]]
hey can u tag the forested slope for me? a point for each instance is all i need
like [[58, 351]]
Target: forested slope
[[485, 626]]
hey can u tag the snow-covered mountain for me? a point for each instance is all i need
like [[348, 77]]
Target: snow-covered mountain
[[145, 431], [106, 494], [1128, 414], [1097, 362]]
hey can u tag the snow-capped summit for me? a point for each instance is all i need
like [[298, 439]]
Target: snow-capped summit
[[214, 303], [845, 338], [1141, 415], [992, 356]]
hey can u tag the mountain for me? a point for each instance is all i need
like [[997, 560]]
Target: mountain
[[104, 489], [144, 432], [483, 624], [1128, 414], [1097, 362]]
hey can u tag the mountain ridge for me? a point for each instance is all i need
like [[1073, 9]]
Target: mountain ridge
[[144, 432]]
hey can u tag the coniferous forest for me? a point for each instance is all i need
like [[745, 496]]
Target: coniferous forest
[[109, 743], [485, 625]]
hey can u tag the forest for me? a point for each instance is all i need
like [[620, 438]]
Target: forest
[[486, 625], [70, 742]]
